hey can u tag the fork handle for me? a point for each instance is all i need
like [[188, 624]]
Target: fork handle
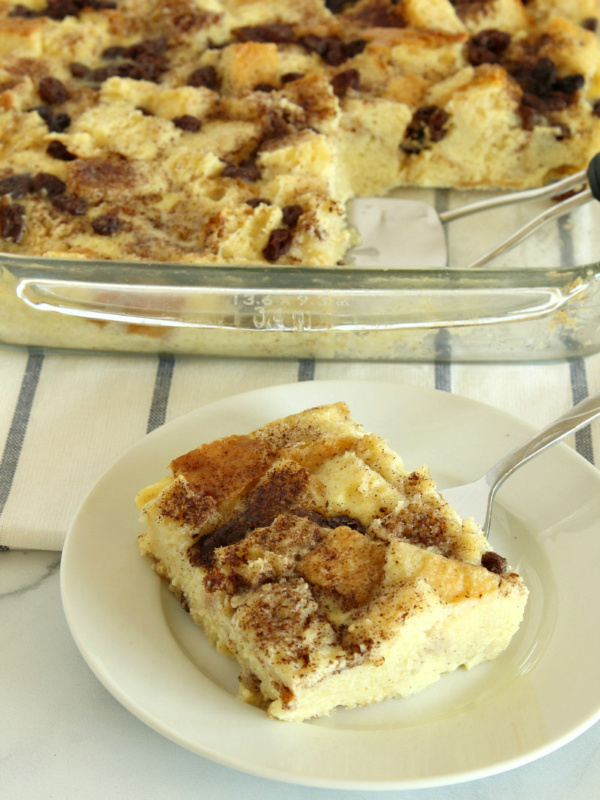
[[574, 419]]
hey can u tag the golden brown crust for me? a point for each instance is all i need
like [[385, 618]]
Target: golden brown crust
[[346, 565], [226, 468]]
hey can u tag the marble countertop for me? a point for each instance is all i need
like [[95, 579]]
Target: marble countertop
[[64, 736]]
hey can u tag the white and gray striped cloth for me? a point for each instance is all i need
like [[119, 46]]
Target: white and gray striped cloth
[[66, 417]]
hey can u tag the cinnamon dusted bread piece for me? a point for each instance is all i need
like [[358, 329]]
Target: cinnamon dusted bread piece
[[220, 131], [333, 576]]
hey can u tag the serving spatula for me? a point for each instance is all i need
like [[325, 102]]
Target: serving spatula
[[476, 499], [396, 232]]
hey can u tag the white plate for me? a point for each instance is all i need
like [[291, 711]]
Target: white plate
[[541, 693]]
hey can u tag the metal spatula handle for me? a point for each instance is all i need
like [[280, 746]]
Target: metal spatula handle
[[551, 213], [510, 198], [471, 499], [580, 415], [591, 175]]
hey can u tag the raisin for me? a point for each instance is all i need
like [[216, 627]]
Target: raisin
[[101, 74], [596, 108], [542, 88], [532, 101], [16, 185], [146, 68], [335, 52], [143, 60], [427, 126], [187, 123], [344, 81], [543, 74], [79, 70], [58, 150], [529, 117], [24, 12], [52, 91], [436, 124], [106, 225], [116, 51], [265, 87], [551, 101], [274, 127], [557, 101], [277, 33], [330, 522], [569, 84], [49, 183], [203, 76], [291, 76], [291, 214], [245, 171], [347, 521], [314, 43], [146, 48], [280, 241], [71, 203], [355, 47], [487, 46], [493, 562], [59, 9], [331, 48], [59, 122], [12, 222], [254, 202], [149, 62], [590, 24], [335, 6]]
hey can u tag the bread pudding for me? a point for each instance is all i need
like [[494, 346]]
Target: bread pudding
[[235, 131], [334, 576]]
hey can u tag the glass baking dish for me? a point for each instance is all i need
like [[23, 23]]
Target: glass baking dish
[[539, 301]]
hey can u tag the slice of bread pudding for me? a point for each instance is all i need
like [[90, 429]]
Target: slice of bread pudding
[[333, 576]]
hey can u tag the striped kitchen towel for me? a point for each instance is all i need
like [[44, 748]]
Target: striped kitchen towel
[[65, 417]]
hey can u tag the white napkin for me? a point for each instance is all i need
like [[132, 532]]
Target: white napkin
[[66, 417]]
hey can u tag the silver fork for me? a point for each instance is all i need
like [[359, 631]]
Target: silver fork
[[476, 499]]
